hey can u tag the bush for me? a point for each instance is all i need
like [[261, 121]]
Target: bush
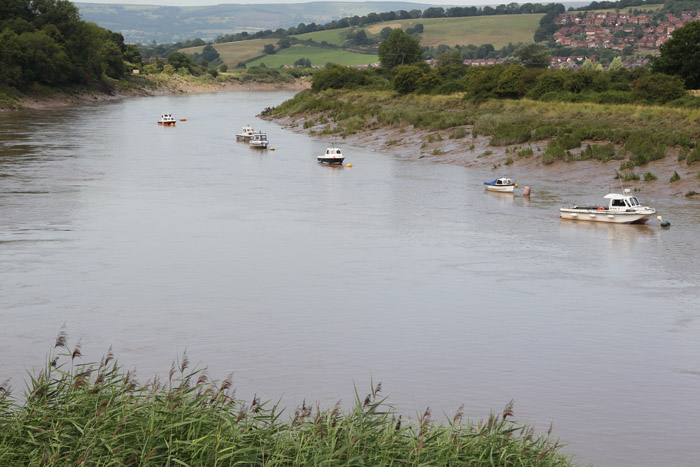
[[525, 153], [552, 153], [648, 177], [675, 177], [511, 133], [658, 88], [693, 156], [569, 141], [338, 77]]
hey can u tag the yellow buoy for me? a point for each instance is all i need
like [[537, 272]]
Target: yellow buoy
[[272, 149], [183, 119], [348, 165]]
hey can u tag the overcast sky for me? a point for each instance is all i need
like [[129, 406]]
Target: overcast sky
[[220, 2]]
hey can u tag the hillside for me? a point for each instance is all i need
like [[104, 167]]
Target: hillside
[[146, 23], [318, 56], [476, 30]]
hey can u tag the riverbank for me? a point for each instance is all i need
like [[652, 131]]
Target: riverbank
[[644, 146], [139, 86]]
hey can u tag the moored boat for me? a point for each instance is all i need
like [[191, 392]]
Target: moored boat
[[502, 185], [166, 120], [622, 208], [258, 140], [245, 133], [333, 155]]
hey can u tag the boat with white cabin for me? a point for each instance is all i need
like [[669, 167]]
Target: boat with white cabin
[[258, 140], [501, 185], [333, 155], [622, 208], [245, 133], [166, 120]]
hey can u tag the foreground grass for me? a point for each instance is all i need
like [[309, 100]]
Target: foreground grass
[[95, 413]]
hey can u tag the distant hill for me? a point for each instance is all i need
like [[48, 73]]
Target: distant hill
[[476, 30], [146, 23]]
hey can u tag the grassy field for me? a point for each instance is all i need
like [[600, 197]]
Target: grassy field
[[232, 53], [496, 30], [318, 56]]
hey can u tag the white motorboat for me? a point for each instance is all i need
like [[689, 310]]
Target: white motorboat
[[621, 209], [258, 140], [245, 133], [333, 155], [166, 120], [502, 185]]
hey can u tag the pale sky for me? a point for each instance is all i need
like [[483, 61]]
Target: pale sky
[[220, 2]]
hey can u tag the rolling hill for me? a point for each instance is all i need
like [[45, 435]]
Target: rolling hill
[[146, 23], [477, 30]]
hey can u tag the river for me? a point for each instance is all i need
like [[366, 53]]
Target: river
[[306, 280]]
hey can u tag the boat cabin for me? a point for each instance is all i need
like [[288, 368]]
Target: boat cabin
[[622, 202], [333, 152]]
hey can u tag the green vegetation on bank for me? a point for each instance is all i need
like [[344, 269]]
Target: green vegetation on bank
[[96, 413], [641, 133]]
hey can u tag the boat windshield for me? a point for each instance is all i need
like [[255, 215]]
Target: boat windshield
[[634, 201]]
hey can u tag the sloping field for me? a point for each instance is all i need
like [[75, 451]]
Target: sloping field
[[477, 30], [232, 53], [317, 55]]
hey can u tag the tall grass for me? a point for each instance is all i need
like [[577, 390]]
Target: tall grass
[[97, 414]]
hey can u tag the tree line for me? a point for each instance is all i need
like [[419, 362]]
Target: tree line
[[525, 74], [45, 41], [373, 18]]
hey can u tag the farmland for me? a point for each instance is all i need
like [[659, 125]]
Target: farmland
[[317, 55], [477, 30], [232, 53]]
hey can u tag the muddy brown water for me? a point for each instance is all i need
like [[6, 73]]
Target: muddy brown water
[[305, 280]]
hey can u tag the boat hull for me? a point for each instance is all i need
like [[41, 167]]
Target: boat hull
[[500, 188], [240, 137], [330, 160], [166, 123], [604, 215]]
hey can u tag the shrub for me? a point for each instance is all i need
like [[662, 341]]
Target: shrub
[[511, 133], [509, 161], [658, 88], [601, 152], [525, 153], [675, 177], [648, 177], [552, 153], [626, 165], [568, 141], [693, 156], [458, 133], [630, 176]]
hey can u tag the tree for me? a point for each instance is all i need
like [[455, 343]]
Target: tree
[[209, 53], [303, 62], [223, 68], [384, 33], [533, 56], [284, 43], [178, 60], [269, 49], [399, 49], [680, 55], [616, 64], [406, 79]]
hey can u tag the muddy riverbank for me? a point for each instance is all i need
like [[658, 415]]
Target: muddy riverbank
[[468, 151]]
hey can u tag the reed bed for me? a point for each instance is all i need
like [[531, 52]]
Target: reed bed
[[97, 414]]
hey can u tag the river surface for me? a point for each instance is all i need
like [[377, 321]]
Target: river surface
[[306, 280]]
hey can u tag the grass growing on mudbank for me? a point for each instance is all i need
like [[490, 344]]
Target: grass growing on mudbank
[[96, 413], [643, 132]]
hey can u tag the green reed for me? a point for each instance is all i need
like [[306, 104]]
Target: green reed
[[97, 414]]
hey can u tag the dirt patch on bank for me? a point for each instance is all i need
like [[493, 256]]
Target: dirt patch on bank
[[468, 151]]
